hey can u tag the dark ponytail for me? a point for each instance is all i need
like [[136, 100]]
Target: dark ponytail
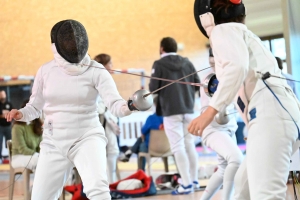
[[224, 12], [37, 126]]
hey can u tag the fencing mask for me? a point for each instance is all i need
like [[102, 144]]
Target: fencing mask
[[70, 39], [206, 17]]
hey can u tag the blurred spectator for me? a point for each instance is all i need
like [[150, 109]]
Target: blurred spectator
[[105, 60], [153, 122], [5, 127]]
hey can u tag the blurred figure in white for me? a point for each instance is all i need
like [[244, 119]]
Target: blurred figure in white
[[221, 139], [110, 124]]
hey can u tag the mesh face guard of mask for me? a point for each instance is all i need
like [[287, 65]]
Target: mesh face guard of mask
[[70, 39]]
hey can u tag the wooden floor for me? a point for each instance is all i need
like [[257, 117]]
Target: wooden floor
[[194, 196], [126, 170], [197, 195]]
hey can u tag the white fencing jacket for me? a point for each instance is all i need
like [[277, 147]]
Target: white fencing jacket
[[238, 55], [68, 94]]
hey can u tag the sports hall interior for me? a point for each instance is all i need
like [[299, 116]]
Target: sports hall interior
[[130, 32]]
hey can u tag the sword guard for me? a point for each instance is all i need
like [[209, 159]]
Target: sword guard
[[210, 84], [222, 117], [142, 100], [266, 76]]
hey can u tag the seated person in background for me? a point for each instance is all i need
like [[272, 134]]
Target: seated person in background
[[105, 60], [153, 122], [26, 139]]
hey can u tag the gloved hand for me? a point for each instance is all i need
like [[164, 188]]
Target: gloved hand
[[130, 105]]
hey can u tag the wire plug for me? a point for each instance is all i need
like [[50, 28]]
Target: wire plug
[[266, 76]]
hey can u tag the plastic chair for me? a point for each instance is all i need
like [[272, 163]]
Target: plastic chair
[[13, 172], [118, 172], [130, 127], [159, 147]]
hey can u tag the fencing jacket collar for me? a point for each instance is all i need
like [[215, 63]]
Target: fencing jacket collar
[[72, 69]]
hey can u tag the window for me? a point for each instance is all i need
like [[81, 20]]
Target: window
[[278, 48], [276, 44], [267, 44]]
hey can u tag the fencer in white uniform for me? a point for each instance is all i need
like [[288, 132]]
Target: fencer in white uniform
[[240, 58], [221, 138], [112, 148], [66, 89]]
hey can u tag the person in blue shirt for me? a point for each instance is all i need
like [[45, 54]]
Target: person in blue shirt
[[153, 122]]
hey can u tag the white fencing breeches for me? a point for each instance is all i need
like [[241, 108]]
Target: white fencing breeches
[[182, 146], [87, 155], [271, 138], [229, 159]]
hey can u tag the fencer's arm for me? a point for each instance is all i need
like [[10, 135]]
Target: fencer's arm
[[155, 84], [107, 89], [33, 108], [231, 63]]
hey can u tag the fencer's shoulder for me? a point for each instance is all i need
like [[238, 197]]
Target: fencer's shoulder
[[98, 67], [98, 70], [227, 28], [50, 64], [47, 67]]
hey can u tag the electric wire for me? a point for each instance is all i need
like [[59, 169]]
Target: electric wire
[[18, 176], [172, 82]]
